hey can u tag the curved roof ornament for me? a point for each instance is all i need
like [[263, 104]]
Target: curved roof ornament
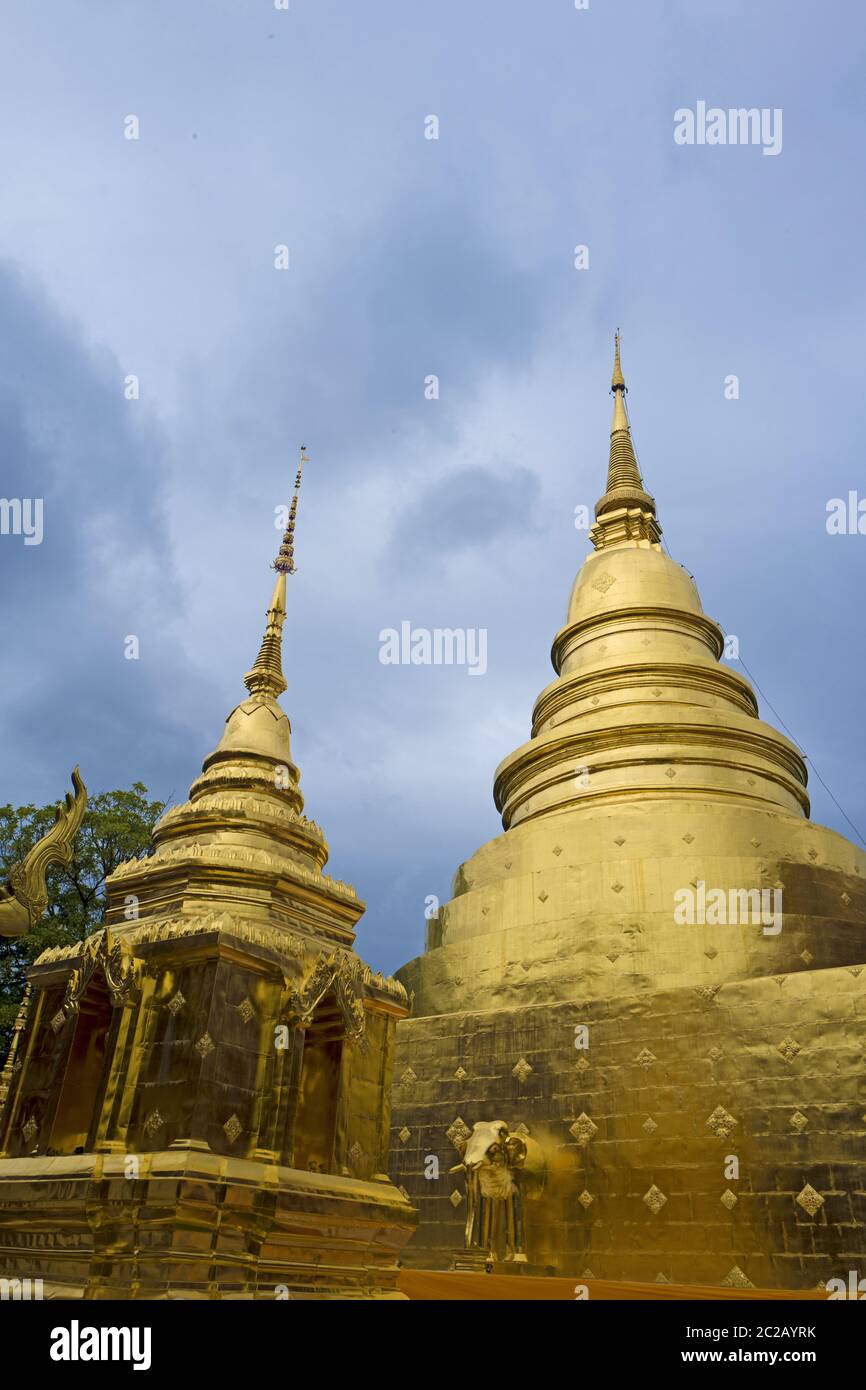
[[24, 898]]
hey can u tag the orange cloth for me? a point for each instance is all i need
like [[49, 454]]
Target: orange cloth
[[427, 1285]]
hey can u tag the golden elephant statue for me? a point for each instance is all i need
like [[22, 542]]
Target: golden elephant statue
[[503, 1171]]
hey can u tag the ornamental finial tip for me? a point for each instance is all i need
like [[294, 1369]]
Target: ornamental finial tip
[[266, 676], [617, 381], [285, 561]]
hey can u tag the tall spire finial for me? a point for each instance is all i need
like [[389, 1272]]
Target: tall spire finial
[[617, 381], [623, 467], [266, 676], [626, 512], [620, 419], [285, 561]]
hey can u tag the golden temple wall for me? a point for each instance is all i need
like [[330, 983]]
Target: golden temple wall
[[674, 1081]]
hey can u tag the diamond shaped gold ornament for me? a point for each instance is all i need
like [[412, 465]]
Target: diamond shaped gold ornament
[[655, 1199], [458, 1131], [583, 1130]]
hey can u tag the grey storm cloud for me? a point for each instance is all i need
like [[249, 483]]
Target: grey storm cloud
[[466, 509], [348, 350], [102, 570]]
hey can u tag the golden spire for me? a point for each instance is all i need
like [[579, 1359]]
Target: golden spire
[[626, 512], [617, 381], [622, 467], [285, 561], [266, 676]]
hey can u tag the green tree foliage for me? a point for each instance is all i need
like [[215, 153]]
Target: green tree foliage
[[117, 826]]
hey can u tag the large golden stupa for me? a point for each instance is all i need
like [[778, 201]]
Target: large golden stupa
[[197, 1098], [658, 972]]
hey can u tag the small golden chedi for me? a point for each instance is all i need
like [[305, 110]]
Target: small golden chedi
[[197, 1098]]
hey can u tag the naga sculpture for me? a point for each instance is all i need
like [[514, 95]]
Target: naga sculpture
[[23, 898], [503, 1169]]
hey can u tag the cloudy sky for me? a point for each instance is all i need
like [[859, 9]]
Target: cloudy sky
[[411, 257]]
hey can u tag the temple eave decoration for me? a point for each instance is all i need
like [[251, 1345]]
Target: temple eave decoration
[[24, 897]]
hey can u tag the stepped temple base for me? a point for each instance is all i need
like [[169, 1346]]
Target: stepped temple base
[[194, 1225]]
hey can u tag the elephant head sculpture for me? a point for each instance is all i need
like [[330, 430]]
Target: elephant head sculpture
[[503, 1170]]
